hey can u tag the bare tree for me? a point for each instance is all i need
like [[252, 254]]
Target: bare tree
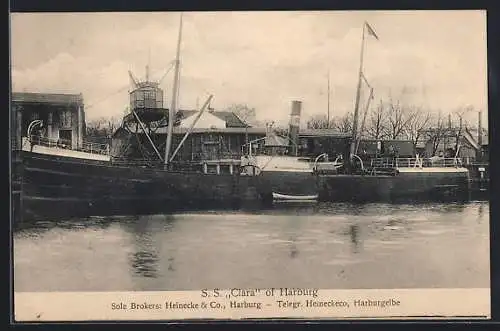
[[436, 133], [340, 123], [245, 113], [319, 122], [101, 129], [417, 121], [344, 123], [398, 118], [377, 123]]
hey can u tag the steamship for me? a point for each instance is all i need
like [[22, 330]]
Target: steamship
[[64, 177], [54, 178]]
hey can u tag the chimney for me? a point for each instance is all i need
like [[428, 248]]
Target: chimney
[[294, 125]]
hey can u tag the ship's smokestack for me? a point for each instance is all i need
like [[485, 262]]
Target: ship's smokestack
[[294, 125]]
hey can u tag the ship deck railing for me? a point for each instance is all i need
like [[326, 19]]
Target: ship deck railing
[[399, 162], [136, 163], [222, 166], [87, 147], [213, 157]]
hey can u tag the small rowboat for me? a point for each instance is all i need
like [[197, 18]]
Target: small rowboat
[[286, 197]]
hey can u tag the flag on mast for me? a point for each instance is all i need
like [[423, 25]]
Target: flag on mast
[[371, 32]]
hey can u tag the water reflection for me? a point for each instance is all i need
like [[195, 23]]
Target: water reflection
[[354, 235], [293, 228], [357, 209], [294, 251], [38, 228], [326, 245], [481, 211], [145, 257]]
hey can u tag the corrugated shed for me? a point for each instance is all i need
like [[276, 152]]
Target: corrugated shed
[[370, 147], [402, 148], [420, 144]]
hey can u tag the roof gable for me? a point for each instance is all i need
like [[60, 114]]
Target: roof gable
[[207, 120], [231, 119], [186, 113]]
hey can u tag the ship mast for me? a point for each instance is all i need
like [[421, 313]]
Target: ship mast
[[361, 77], [147, 65], [358, 92], [175, 94]]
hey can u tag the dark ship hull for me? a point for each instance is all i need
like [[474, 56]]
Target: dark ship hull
[[292, 179], [48, 187], [404, 186], [55, 187]]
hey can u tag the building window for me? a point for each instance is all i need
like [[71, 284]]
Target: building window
[[65, 117]]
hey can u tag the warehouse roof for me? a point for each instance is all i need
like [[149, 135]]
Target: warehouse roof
[[47, 98], [323, 133]]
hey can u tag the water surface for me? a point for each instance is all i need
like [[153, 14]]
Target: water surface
[[336, 246]]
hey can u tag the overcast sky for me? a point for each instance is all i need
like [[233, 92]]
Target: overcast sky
[[262, 59]]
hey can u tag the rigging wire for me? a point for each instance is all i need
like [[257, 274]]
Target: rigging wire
[[107, 96], [166, 72], [127, 86]]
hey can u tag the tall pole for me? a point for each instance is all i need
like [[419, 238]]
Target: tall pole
[[173, 106], [358, 92], [147, 66], [364, 119], [328, 107], [246, 140], [480, 129]]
